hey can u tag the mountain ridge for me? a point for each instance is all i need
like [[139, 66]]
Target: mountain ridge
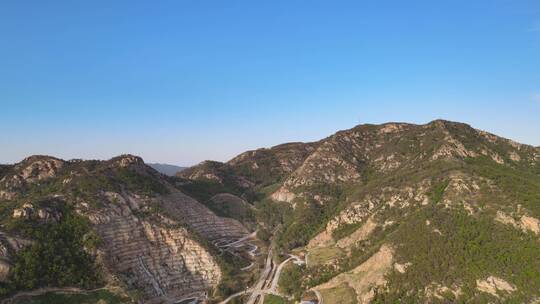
[[434, 213]]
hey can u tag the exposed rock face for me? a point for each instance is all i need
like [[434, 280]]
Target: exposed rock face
[[155, 255], [329, 163], [401, 268], [435, 290], [493, 285], [525, 223], [31, 170], [283, 195], [27, 211], [161, 262], [346, 156], [127, 160], [530, 223], [387, 197], [36, 168]]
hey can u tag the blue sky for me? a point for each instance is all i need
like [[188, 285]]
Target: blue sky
[[182, 81]]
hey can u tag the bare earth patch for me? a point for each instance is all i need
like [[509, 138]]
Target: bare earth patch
[[341, 294], [360, 234], [364, 278], [324, 255]]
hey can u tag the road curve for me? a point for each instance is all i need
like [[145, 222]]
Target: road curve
[[319, 296], [257, 290]]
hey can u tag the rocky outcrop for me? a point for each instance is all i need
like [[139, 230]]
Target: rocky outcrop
[[283, 195], [31, 170], [525, 222], [346, 156], [437, 291], [28, 211], [36, 168], [493, 285]]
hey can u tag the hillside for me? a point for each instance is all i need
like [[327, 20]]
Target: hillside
[[116, 223], [432, 213], [391, 213]]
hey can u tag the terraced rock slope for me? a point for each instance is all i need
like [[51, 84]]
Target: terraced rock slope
[[152, 238]]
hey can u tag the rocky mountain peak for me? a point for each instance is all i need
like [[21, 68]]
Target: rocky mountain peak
[[127, 160], [39, 167]]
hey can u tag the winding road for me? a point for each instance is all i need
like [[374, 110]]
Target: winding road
[[268, 281]]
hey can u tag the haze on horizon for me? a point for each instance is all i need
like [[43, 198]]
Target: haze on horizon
[[183, 81]]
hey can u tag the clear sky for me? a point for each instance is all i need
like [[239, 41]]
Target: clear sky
[[186, 80]]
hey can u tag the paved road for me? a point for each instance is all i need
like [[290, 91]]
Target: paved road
[[268, 281], [249, 236], [257, 290], [235, 295], [275, 280], [319, 296]]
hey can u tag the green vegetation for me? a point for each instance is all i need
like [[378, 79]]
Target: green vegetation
[[290, 282], [345, 230], [232, 207], [309, 217], [437, 192], [99, 296], [137, 182], [468, 248], [57, 257], [204, 190], [272, 214], [322, 255], [272, 299], [233, 279], [516, 185], [341, 294]]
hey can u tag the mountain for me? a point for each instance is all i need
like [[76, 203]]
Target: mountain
[[117, 222], [166, 169], [390, 213], [440, 212]]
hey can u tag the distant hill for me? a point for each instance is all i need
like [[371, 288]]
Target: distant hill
[[167, 169]]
